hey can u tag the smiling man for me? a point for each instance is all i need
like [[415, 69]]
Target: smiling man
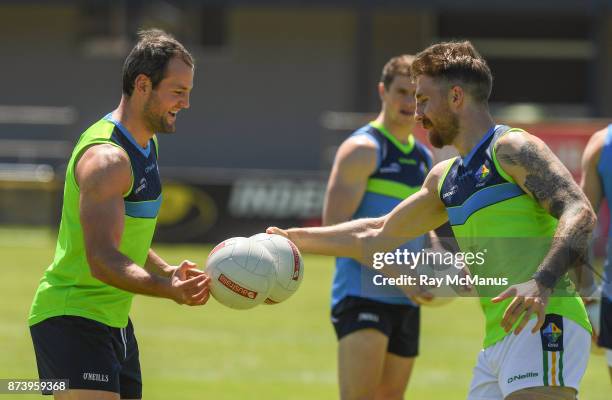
[[506, 194], [79, 317], [376, 168]]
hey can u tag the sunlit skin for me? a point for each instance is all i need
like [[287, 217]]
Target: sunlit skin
[[433, 111], [154, 110], [398, 104]]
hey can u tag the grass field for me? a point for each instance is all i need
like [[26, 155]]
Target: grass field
[[283, 352]]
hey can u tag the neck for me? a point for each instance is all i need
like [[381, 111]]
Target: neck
[[473, 125], [400, 131], [128, 116]]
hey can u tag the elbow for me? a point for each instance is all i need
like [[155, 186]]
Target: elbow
[[588, 216], [583, 219], [592, 218], [96, 266]]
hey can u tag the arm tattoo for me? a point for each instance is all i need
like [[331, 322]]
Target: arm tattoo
[[561, 196]]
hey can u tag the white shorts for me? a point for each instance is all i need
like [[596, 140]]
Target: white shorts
[[557, 355]]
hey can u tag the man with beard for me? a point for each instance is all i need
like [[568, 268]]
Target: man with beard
[[79, 317], [376, 168], [506, 196]]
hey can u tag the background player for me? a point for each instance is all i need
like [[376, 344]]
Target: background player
[[377, 167], [79, 317], [596, 183], [505, 188]]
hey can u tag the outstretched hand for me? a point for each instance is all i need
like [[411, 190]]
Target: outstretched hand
[[273, 230], [529, 298]]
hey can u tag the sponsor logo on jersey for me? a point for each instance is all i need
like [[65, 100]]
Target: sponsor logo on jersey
[[451, 192], [149, 168], [407, 161], [482, 173], [392, 168], [142, 185]]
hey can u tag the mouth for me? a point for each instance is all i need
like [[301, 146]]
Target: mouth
[[172, 113], [426, 124], [407, 113]]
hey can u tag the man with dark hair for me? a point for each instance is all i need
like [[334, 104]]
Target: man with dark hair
[[79, 317], [377, 328], [507, 196]]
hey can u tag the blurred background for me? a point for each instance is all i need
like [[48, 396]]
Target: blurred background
[[278, 85]]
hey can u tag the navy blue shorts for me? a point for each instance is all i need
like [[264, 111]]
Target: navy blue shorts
[[605, 321], [90, 354], [400, 323]]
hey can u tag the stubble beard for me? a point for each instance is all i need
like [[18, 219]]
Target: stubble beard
[[156, 119], [446, 133]]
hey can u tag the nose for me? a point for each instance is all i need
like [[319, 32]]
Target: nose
[[185, 101], [418, 114]]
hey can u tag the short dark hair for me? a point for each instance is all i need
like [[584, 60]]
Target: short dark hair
[[150, 56], [456, 63], [399, 65]]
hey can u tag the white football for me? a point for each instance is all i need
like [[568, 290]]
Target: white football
[[242, 273], [288, 263]]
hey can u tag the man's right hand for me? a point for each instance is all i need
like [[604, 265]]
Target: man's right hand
[[189, 288]]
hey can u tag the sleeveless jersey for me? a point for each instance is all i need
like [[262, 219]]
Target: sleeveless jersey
[[604, 168], [400, 172], [67, 286], [491, 214]]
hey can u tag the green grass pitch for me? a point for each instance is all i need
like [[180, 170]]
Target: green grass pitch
[[286, 351]]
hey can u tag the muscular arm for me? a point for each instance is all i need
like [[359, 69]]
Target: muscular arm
[[103, 174], [156, 265], [590, 183], [540, 174], [359, 239], [354, 163]]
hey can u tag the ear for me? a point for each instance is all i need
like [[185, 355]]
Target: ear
[[381, 91], [456, 96], [142, 84]]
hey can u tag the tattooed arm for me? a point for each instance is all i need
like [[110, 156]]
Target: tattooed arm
[[541, 175]]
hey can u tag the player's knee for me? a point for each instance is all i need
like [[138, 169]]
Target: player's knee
[[543, 393]]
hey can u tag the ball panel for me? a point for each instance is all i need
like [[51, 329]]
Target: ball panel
[[289, 266], [242, 273]]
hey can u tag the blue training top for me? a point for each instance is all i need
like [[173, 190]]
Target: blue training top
[[400, 171], [604, 168]]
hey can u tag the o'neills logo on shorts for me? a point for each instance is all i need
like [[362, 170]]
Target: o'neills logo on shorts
[[523, 376], [296, 262], [234, 287], [90, 376]]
